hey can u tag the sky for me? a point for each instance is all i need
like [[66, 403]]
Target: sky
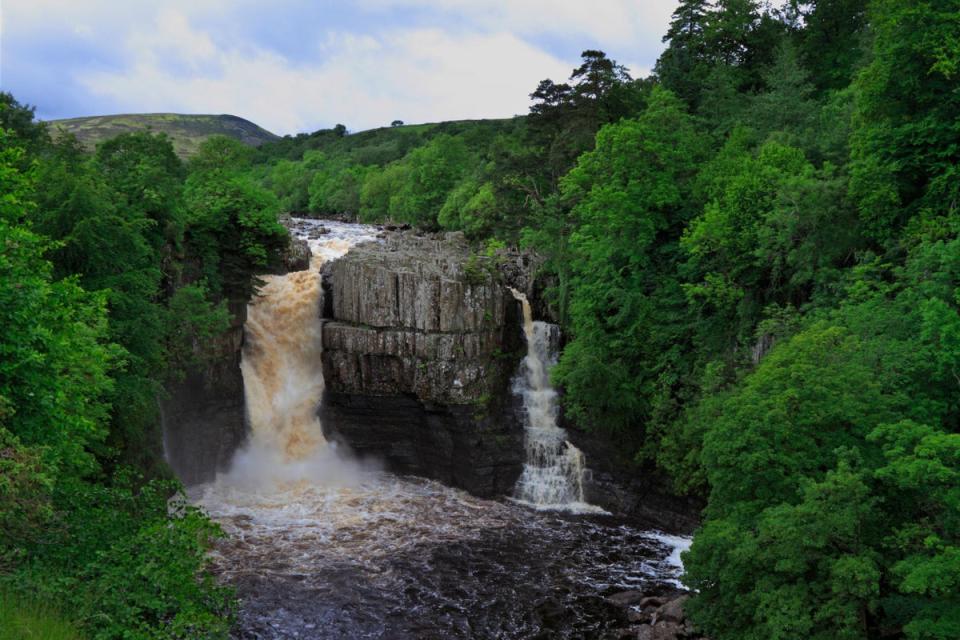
[[301, 65]]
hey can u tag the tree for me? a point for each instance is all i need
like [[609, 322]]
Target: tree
[[19, 122], [684, 65], [221, 153], [233, 229], [830, 41], [904, 150], [56, 359], [627, 196], [432, 172], [565, 117]]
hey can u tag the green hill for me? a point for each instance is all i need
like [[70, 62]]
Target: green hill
[[186, 131]]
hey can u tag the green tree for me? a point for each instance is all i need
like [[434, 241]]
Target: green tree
[[904, 148], [628, 196], [233, 229], [431, 173]]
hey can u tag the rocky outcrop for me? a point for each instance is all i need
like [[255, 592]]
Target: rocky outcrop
[[654, 617], [420, 340], [203, 414], [618, 484]]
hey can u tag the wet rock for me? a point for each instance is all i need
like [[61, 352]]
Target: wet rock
[[635, 614], [297, 255], [661, 631], [672, 611], [627, 598], [419, 345], [202, 416], [618, 484]]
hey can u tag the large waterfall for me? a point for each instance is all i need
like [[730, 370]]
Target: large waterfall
[[283, 375], [554, 472], [320, 546]]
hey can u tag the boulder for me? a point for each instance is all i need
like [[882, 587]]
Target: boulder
[[297, 255], [672, 611], [627, 598]]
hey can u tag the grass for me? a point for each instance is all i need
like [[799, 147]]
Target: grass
[[25, 619]]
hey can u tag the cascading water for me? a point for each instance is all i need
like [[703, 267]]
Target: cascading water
[[554, 472], [283, 376], [319, 546]]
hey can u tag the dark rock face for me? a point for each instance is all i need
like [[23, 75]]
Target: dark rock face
[[418, 350], [618, 485], [203, 415]]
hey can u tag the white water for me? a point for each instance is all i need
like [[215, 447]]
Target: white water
[[283, 377], [555, 470]]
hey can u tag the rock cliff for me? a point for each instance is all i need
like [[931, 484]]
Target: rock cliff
[[203, 415], [420, 342]]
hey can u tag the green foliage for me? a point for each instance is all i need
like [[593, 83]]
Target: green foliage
[[431, 173], [107, 551], [290, 181], [774, 230], [904, 149], [632, 190], [472, 208], [193, 324], [336, 188], [232, 227], [220, 153], [147, 176], [54, 360]]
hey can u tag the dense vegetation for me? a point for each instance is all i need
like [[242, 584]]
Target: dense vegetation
[[756, 258], [115, 269]]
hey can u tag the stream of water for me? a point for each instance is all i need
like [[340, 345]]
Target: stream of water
[[323, 546], [554, 472]]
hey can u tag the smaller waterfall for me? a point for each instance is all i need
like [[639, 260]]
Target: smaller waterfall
[[554, 471]]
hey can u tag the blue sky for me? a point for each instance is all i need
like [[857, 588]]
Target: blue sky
[[299, 65]]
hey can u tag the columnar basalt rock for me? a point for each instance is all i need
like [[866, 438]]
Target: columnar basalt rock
[[419, 345]]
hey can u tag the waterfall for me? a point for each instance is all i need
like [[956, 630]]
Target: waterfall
[[554, 471], [283, 375]]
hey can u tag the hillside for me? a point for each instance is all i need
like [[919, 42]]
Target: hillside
[[186, 131], [385, 144]]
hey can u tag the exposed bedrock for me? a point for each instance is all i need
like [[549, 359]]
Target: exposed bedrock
[[420, 343], [616, 483], [203, 414]]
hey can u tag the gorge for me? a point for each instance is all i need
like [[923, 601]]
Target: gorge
[[368, 375]]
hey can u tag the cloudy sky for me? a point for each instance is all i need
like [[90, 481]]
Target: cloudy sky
[[299, 65]]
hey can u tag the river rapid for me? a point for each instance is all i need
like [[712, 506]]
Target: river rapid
[[321, 545]]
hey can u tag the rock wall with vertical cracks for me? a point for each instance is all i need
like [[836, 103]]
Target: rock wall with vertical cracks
[[420, 341]]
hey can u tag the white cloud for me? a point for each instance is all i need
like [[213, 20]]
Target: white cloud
[[363, 80], [374, 61], [618, 22]]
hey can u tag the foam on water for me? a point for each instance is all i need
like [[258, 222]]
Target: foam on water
[[554, 472]]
